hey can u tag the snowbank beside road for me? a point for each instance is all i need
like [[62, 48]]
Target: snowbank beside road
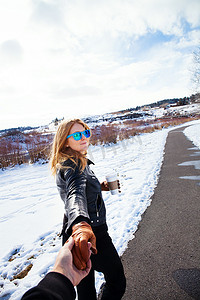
[[193, 133]]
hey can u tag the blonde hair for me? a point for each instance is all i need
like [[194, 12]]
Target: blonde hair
[[60, 152]]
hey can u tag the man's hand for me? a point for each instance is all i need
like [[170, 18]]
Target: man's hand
[[64, 263]]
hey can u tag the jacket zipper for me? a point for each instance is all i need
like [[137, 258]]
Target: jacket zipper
[[98, 209]]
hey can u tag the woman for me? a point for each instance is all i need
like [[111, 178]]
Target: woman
[[85, 213]]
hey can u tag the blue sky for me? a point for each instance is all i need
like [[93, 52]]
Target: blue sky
[[63, 58]]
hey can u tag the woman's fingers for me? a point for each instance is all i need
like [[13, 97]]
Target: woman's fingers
[[78, 262], [119, 187], [83, 246]]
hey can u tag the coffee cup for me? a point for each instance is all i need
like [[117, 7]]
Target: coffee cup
[[112, 183]]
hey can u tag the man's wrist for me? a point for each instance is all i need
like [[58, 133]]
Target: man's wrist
[[64, 273]]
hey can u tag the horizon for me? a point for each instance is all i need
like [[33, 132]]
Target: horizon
[[92, 115]]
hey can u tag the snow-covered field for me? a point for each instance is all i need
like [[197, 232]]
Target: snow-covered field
[[32, 212]]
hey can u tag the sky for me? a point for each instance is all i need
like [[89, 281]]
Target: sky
[[74, 58]]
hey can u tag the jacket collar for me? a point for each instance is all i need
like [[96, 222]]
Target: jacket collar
[[90, 162]]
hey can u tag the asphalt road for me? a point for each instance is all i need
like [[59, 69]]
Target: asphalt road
[[163, 260]]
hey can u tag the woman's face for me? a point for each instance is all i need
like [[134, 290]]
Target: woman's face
[[81, 145]]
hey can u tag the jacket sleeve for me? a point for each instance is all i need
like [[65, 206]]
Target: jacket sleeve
[[75, 195], [54, 286]]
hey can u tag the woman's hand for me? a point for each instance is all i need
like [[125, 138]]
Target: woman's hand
[[82, 234], [104, 186]]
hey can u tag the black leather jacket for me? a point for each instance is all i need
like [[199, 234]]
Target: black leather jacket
[[81, 193]]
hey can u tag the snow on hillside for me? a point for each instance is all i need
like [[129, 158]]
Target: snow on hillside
[[146, 113], [184, 110], [32, 212]]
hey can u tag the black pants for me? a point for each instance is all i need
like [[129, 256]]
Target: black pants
[[108, 262]]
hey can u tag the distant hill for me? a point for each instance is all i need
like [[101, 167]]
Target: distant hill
[[163, 103], [129, 113]]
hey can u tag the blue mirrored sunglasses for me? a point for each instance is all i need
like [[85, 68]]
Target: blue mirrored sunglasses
[[78, 135]]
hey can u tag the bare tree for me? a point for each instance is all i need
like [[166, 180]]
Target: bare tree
[[196, 69]]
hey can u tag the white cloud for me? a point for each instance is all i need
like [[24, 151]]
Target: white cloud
[[93, 55], [94, 18], [11, 51], [14, 16]]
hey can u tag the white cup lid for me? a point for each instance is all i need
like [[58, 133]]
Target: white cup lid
[[111, 177]]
